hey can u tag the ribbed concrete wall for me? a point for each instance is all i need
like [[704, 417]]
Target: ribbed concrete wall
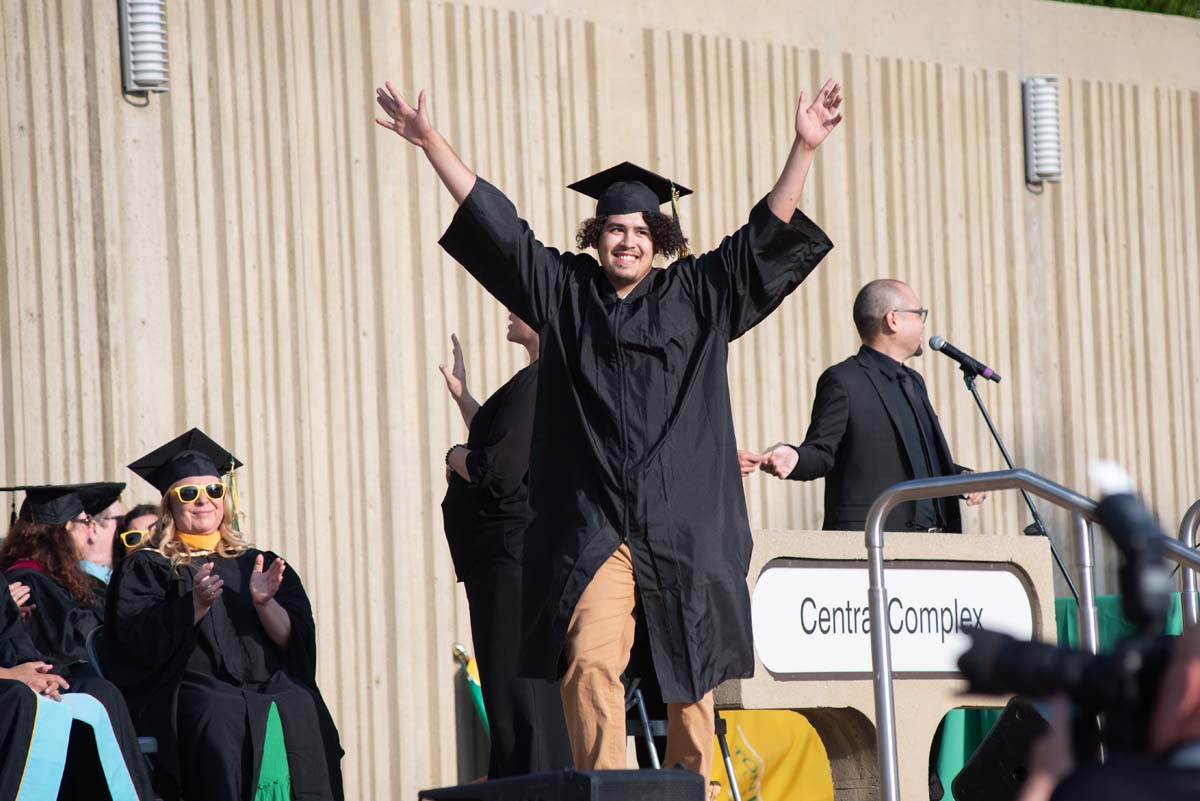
[[249, 254]]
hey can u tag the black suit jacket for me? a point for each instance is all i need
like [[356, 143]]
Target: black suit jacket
[[854, 441]]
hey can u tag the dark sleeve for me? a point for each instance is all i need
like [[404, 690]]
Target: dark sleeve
[[59, 625], [739, 283], [15, 645], [496, 246], [831, 410], [150, 619], [301, 652], [498, 464]]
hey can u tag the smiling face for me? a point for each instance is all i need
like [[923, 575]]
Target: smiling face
[[626, 250], [202, 516]]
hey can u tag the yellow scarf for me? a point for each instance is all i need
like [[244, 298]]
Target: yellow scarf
[[200, 542]]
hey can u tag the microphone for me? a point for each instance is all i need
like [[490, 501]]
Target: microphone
[[968, 363]]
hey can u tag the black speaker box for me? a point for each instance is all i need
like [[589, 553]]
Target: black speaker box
[[997, 769], [581, 785]]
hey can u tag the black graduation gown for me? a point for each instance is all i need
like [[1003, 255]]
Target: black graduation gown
[[205, 690], [633, 439], [59, 626], [17, 703], [57, 632]]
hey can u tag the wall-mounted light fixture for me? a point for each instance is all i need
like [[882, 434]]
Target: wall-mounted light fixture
[[144, 45], [1043, 140]]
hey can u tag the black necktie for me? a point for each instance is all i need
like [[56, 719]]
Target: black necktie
[[903, 379]]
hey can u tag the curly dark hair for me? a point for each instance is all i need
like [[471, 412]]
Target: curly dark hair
[[665, 233], [51, 545]]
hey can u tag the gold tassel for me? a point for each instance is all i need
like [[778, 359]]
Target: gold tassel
[[233, 496], [683, 251]]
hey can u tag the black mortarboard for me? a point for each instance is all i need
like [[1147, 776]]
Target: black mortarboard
[[190, 454], [628, 188], [48, 503], [99, 495]]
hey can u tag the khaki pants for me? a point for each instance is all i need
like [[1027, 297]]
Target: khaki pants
[[597, 648]]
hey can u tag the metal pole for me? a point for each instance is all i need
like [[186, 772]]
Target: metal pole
[[1187, 538], [881, 659], [1089, 627]]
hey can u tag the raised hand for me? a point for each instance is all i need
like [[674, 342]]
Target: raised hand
[[411, 123], [814, 122], [456, 376], [264, 584], [37, 676], [779, 460], [206, 588]]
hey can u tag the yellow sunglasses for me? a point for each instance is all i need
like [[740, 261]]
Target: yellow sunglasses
[[134, 538], [190, 493]]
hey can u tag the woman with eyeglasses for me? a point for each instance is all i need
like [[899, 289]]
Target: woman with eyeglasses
[[47, 550], [44, 548], [214, 645]]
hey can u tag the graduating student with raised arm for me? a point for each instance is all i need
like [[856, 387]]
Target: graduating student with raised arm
[[634, 490]]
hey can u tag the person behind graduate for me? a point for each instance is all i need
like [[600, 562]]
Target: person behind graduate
[[214, 643], [137, 527], [93, 721], [485, 513], [636, 504], [47, 550]]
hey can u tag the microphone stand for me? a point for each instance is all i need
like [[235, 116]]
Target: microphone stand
[[1037, 528]]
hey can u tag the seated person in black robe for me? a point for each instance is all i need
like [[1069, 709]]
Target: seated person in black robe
[[207, 633], [102, 750], [50, 559]]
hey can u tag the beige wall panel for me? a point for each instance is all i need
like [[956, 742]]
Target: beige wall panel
[[250, 254]]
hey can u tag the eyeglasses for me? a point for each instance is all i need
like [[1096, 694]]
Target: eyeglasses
[[924, 313], [104, 520], [190, 493], [134, 538], [85, 520]]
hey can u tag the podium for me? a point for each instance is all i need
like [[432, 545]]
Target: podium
[[812, 641]]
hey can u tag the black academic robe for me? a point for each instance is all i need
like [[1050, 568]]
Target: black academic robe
[[60, 625], [205, 690], [18, 707], [633, 440]]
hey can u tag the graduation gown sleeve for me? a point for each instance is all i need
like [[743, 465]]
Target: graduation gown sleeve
[[15, 645], [59, 626], [748, 275], [149, 618], [496, 246]]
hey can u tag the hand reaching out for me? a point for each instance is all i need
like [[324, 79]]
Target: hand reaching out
[[264, 585], [779, 460], [411, 123], [748, 461], [814, 122]]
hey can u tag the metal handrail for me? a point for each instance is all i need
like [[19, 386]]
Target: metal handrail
[[1187, 539], [922, 489]]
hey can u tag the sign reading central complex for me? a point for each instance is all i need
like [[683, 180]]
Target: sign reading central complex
[[816, 619]]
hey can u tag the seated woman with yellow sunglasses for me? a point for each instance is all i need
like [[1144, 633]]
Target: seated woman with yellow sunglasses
[[214, 643]]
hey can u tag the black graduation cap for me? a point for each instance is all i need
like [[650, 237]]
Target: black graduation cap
[[99, 495], [48, 503], [190, 454], [628, 188]]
